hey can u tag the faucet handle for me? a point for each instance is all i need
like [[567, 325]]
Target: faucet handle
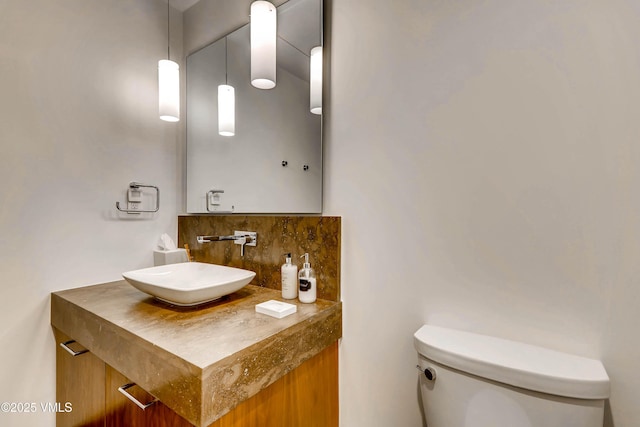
[[241, 241], [245, 238]]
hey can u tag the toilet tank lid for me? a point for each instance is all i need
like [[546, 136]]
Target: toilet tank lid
[[514, 363]]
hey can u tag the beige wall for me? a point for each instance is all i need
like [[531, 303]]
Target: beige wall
[[484, 157], [78, 122]]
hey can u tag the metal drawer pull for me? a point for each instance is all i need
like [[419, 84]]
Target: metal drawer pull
[[141, 405], [71, 351]]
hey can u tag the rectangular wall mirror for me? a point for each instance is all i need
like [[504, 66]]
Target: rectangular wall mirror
[[273, 163]]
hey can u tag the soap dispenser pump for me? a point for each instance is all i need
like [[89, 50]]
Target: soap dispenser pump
[[307, 281], [289, 273]]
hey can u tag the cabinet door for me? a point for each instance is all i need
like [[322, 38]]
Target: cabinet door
[[79, 385], [120, 411], [305, 397]]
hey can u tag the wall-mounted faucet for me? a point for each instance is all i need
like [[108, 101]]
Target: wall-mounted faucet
[[209, 239], [242, 238]]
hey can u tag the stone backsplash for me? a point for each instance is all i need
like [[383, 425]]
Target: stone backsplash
[[277, 235]]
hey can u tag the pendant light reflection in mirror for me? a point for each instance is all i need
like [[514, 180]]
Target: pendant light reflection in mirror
[[168, 84], [315, 80], [226, 101], [315, 73]]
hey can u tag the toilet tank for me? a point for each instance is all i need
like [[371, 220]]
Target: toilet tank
[[474, 380]]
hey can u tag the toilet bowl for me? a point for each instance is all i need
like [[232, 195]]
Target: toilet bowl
[[472, 380]]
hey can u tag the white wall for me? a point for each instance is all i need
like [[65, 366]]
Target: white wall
[[484, 157], [78, 122]]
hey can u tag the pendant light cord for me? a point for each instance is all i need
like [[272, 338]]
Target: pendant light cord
[[226, 63], [321, 15], [168, 32]]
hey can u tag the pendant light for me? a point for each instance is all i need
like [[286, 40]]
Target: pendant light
[[226, 102], [315, 72], [263, 44], [168, 84], [315, 80]]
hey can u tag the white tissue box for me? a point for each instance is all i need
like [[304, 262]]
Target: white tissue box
[[173, 256], [276, 309]]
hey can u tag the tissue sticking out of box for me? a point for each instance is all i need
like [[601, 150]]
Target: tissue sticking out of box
[[168, 252], [167, 243]]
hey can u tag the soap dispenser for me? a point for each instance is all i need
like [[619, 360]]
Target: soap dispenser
[[289, 273], [307, 281]]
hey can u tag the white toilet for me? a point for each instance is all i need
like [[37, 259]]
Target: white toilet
[[471, 380]]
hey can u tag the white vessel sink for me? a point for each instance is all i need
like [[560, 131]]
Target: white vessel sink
[[189, 283]]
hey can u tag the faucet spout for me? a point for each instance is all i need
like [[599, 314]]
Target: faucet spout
[[249, 238], [209, 239]]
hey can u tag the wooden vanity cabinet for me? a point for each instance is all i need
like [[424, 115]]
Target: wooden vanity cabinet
[[120, 411], [91, 387], [79, 382], [305, 397]]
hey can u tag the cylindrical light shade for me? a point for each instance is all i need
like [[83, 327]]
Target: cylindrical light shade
[[315, 80], [263, 44], [226, 110], [169, 90]]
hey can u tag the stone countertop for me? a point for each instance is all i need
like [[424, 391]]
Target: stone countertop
[[201, 362]]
